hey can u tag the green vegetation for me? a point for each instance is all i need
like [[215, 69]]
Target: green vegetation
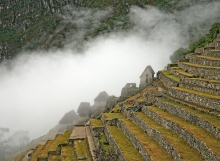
[[45, 149], [82, 149], [67, 153], [202, 41], [181, 146], [36, 153], [180, 71], [96, 123], [54, 157], [128, 150], [110, 116], [211, 141], [170, 75]]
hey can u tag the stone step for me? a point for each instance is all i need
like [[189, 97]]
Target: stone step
[[204, 60], [67, 153], [36, 153], [90, 141], [204, 142], [178, 148], [168, 79], [145, 143], [194, 106], [200, 98], [82, 150], [212, 52], [45, 148], [125, 148], [202, 85], [178, 72], [209, 72], [209, 123]]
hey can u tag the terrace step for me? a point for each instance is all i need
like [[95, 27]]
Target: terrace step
[[36, 153], [209, 123], [90, 141], [204, 142], [200, 98], [209, 72], [168, 79], [202, 85], [193, 106], [170, 141], [177, 71], [67, 153], [54, 157], [79, 132], [204, 60], [45, 148], [82, 150], [125, 148], [213, 53]]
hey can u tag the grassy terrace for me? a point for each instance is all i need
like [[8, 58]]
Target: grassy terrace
[[45, 149], [200, 66], [183, 148], [153, 148], [208, 95], [210, 140], [102, 141], [60, 139], [170, 75], [110, 116], [36, 153], [21, 156], [82, 149], [208, 57], [205, 80], [96, 123], [67, 153], [160, 83], [211, 119], [54, 157], [128, 150], [117, 108], [180, 71]]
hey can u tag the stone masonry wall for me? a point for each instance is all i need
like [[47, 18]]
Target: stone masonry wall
[[113, 143], [200, 85], [188, 117], [211, 103], [192, 140], [210, 73], [168, 82], [203, 61]]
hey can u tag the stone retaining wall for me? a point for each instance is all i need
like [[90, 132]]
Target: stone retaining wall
[[210, 73], [157, 136], [168, 82], [211, 103], [113, 143], [181, 76], [134, 140], [203, 61], [212, 53], [200, 85], [188, 116], [192, 140]]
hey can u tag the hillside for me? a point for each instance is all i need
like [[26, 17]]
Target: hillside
[[176, 117], [41, 25]]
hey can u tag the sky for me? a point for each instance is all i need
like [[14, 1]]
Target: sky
[[39, 88]]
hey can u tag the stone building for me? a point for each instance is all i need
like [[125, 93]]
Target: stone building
[[146, 77], [112, 101], [101, 100], [128, 90], [84, 109]]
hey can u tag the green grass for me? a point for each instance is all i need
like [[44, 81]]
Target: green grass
[[211, 141], [67, 153], [36, 153], [128, 150], [102, 140], [96, 123], [180, 145], [45, 149], [54, 157], [170, 75], [82, 149], [212, 96], [110, 116]]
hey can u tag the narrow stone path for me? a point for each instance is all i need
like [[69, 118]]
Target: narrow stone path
[[90, 141]]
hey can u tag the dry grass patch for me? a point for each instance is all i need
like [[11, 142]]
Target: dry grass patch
[[110, 116], [82, 149], [211, 119], [127, 149], [212, 96], [182, 147], [160, 83], [170, 75], [200, 66], [54, 157], [45, 149], [208, 57], [36, 153], [153, 148], [211, 141], [96, 123], [67, 153], [117, 108]]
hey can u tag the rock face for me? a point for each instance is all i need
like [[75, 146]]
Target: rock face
[[69, 118], [84, 109]]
